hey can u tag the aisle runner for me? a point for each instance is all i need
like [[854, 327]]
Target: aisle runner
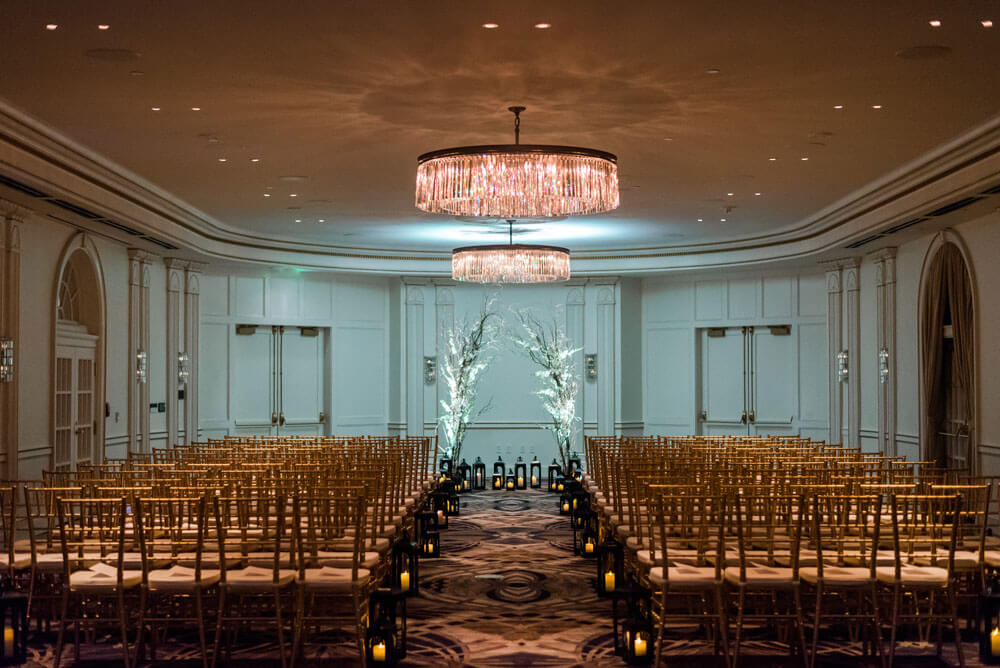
[[506, 592]]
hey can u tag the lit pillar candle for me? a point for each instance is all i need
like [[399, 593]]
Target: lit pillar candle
[[995, 641], [640, 646], [440, 514], [566, 507], [520, 481], [378, 652], [588, 547], [609, 581], [560, 487], [479, 478], [8, 642], [404, 580], [510, 484], [534, 480], [574, 504]]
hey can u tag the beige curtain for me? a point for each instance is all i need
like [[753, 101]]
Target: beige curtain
[[947, 290]]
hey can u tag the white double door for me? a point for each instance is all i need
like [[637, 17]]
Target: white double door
[[277, 376], [749, 381], [75, 403]]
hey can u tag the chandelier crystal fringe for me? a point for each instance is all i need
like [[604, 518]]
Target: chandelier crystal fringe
[[512, 264], [517, 180]]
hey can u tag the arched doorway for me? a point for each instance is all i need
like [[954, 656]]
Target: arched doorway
[[948, 356], [78, 358]]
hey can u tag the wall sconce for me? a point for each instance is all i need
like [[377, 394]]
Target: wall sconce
[[141, 366], [430, 370], [183, 368], [590, 366], [7, 360], [883, 366], [842, 366]]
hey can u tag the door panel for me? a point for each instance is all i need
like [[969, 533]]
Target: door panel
[[75, 420], [774, 383], [300, 382], [722, 382], [252, 370], [64, 422]]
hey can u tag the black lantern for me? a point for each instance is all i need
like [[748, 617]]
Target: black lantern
[[380, 648], [587, 537], [498, 466], [498, 480], [638, 641], [425, 522], [430, 545], [453, 505], [574, 465], [510, 483], [445, 466], [610, 567], [439, 505], [387, 613], [536, 473], [565, 504], [521, 473], [464, 477], [989, 628], [554, 474], [14, 625], [405, 573], [479, 474]]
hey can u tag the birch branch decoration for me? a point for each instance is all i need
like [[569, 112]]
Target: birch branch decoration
[[549, 348], [466, 357]]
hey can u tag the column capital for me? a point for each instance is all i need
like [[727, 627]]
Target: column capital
[[13, 211]]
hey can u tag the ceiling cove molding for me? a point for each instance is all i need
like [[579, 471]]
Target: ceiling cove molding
[[42, 157]]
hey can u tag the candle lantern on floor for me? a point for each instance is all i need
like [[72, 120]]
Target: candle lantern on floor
[[554, 473], [425, 522], [453, 504], [574, 465], [588, 539], [439, 506], [565, 504], [464, 477], [536, 473], [430, 545], [498, 480], [521, 473], [479, 474], [380, 648], [445, 466], [498, 466], [610, 567], [387, 613], [405, 572], [511, 483], [989, 628], [14, 623], [637, 645]]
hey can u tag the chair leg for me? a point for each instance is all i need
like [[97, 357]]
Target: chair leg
[[220, 617], [659, 631], [800, 625], [816, 620], [892, 625], [281, 630], [876, 625], [723, 616], [200, 614], [740, 601], [953, 602], [60, 639], [123, 620], [140, 647]]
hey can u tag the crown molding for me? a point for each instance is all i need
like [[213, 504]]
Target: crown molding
[[43, 157]]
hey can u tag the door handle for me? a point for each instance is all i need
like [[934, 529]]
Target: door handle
[[743, 418], [752, 417], [274, 418], [703, 416], [281, 418], [322, 417]]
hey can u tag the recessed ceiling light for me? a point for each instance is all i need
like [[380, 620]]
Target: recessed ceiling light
[[772, 159], [267, 194], [713, 70], [722, 220], [322, 220], [838, 106], [491, 26], [805, 158], [986, 23], [222, 159], [293, 195], [103, 26], [298, 220], [668, 139], [700, 220], [876, 106], [136, 73], [729, 194], [195, 108], [756, 194], [51, 26], [543, 26], [935, 23], [254, 159], [155, 108]]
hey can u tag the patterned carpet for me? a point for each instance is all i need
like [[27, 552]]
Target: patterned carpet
[[507, 591]]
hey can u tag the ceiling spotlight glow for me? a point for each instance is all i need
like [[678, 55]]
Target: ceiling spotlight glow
[[491, 26], [986, 23], [772, 159], [51, 26], [222, 159], [876, 106], [722, 220], [543, 26], [756, 194], [298, 220], [103, 26], [267, 194], [322, 220], [155, 108], [293, 195], [713, 70], [195, 108], [838, 106], [729, 194], [804, 158], [935, 23], [254, 159], [701, 220]]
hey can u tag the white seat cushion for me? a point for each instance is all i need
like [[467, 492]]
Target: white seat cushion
[[20, 561], [681, 576], [181, 579], [837, 576], [254, 579], [763, 576], [332, 580], [52, 562], [914, 576], [208, 560], [102, 578], [965, 560], [345, 559]]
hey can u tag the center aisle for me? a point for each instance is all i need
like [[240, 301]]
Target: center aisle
[[508, 591]]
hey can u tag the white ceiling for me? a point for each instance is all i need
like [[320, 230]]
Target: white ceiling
[[347, 94]]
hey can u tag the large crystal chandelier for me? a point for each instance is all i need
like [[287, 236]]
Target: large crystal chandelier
[[512, 181], [513, 263]]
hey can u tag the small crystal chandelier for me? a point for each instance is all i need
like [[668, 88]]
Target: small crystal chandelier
[[513, 263], [512, 181]]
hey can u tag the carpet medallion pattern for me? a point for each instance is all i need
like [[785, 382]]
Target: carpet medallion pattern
[[507, 592]]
